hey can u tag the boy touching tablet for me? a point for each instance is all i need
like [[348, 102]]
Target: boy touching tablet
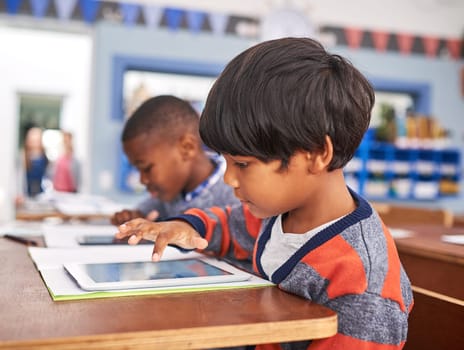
[[288, 116], [162, 141]]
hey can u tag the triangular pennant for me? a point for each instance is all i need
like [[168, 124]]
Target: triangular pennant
[[353, 37], [380, 40], [454, 47], [218, 22], [12, 6], [195, 20], [130, 13], [152, 15], [174, 17], [430, 45], [405, 42], [39, 7], [89, 9], [64, 8]]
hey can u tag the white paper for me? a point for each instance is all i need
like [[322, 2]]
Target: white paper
[[22, 228], [46, 258], [400, 233], [456, 239], [49, 261], [65, 235]]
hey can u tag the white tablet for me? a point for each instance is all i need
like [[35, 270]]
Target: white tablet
[[149, 274], [105, 240]]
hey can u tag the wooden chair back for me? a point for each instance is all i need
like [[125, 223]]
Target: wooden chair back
[[395, 215]]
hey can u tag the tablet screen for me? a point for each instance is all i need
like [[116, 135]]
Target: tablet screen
[[148, 270], [148, 274], [105, 240]]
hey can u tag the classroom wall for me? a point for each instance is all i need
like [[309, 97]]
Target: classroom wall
[[442, 74], [446, 99], [88, 87]]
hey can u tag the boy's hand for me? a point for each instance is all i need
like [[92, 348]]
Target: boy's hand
[[125, 215], [163, 233]]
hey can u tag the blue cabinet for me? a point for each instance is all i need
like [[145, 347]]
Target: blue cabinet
[[382, 171]]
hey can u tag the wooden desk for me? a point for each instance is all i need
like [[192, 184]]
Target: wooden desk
[[435, 269], [436, 322], [31, 320], [37, 210], [26, 215], [431, 263]]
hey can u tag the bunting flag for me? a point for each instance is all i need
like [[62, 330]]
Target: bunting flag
[[454, 47], [380, 40], [152, 15], [130, 13], [218, 22], [12, 6], [353, 37], [135, 13], [39, 7], [89, 9], [174, 17], [405, 42], [195, 20], [430, 45], [64, 8]]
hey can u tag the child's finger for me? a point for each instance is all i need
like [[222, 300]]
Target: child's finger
[[124, 231], [153, 215], [134, 239], [199, 242], [158, 249]]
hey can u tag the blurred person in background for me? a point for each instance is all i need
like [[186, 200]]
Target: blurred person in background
[[66, 172], [35, 161]]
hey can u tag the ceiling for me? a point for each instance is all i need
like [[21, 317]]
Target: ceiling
[[441, 18]]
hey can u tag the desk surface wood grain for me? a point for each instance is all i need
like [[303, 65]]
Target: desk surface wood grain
[[31, 320]]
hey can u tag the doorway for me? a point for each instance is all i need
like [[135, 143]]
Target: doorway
[[39, 118]]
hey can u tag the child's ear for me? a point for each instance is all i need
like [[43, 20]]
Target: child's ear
[[319, 161], [188, 146]]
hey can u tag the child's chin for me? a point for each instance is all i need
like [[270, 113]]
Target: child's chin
[[260, 214]]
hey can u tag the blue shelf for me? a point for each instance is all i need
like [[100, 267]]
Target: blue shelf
[[382, 171]]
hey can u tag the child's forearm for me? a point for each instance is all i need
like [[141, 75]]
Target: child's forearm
[[229, 231]]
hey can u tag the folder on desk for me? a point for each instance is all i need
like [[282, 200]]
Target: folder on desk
[[61, 286]]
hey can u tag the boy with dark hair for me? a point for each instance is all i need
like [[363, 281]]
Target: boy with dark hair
[[288, 116], [162, 141]]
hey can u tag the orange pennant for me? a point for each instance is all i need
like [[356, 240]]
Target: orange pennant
[[405, 42], [353, 37], [380, 40]]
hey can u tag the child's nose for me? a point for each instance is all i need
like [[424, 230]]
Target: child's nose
[[143, 178], [230, 178]]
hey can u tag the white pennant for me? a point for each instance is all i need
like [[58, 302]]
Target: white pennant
[[64, 8], [152, 15], [218, 22]]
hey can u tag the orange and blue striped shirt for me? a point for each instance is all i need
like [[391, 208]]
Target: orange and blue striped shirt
[[351, 266]]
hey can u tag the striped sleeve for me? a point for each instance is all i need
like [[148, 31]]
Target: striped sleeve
[[230, 231]]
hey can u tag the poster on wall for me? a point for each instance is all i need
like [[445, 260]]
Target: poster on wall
[[138, 86]]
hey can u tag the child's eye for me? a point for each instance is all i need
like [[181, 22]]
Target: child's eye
[[241, 165], [146, 169]]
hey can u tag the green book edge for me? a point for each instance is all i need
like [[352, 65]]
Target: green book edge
[[112, 294]]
